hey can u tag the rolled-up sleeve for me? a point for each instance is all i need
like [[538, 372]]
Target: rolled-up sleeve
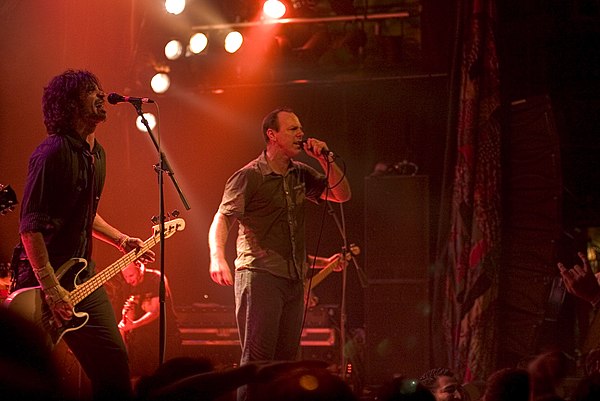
[[42, 175], [234, 195]]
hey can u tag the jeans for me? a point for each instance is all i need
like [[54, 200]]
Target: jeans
[[269, 312], [98, 345]]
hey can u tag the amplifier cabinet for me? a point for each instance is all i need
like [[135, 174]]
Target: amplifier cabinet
[[311, 336], [209, 330]]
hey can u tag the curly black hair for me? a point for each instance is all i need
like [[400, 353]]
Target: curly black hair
[[62, 99]]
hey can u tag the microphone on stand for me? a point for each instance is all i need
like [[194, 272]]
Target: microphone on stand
[[114, 98]]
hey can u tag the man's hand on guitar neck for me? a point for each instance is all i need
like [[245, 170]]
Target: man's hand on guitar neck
[[126, 243], [56, 296]]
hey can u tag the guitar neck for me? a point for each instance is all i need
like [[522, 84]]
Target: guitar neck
[[85, 289], [322, 275]]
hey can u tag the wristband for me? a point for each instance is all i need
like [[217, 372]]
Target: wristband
[[45, 276], [121, 242]]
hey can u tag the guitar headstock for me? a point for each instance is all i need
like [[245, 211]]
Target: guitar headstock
[[8, 199], [171, 227]]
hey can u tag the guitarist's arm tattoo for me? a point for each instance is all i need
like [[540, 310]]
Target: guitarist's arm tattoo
[[28, 302], [56, 296]]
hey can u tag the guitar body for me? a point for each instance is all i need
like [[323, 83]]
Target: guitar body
[[30, 304]]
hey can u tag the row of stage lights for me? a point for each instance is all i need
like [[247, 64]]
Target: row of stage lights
[[174, 49], [198, 42], [272, 10], [306, 47]]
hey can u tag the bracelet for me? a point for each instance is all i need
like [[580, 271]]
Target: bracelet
[[121, 242]]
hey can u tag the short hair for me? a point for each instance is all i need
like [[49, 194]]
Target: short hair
[[429, 378], [62, 99], [271, 121]]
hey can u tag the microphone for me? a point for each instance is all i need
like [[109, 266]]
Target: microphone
[[114, 98], [324, 152]]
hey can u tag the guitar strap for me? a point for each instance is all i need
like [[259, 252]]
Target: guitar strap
[[91, 202]]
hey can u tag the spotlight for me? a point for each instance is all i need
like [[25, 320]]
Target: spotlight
[[233, 41], [160, 82], [274, 9], [175, 7], [151, 122], [173, 49], [198, 43]]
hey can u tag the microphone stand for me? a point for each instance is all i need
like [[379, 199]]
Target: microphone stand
[[161, 167], [361, 276]]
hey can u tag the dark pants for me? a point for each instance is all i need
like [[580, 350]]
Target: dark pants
[[98, 346], [269, 312]]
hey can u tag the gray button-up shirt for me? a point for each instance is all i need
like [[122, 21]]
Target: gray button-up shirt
[[270, 211]]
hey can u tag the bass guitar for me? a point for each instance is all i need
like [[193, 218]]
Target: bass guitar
[[29, 302]]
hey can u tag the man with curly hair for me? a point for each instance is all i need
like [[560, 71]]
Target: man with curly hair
[[58, 220]]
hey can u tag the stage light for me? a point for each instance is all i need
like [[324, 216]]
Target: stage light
[[274, 9], [198, 43], [151, 122], [233, 41], [175, 7], [160, 82], [173, 49]]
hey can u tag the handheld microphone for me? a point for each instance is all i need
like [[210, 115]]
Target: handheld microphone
[[324, 152], [114, 98]]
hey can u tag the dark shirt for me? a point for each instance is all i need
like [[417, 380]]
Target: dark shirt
[[143, 342], [62, 191], [145, 291], [270, 209]]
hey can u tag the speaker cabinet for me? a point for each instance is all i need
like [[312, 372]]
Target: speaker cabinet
[[396, 260], [397, 329], [396, 227]]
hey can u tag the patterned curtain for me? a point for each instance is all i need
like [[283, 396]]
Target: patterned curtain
[[466, 277]]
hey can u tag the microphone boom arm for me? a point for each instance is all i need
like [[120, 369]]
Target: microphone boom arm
[[164, 164]]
